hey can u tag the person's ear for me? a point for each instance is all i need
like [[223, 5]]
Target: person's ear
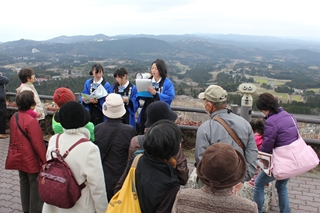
[[210, 106], [237, 188]]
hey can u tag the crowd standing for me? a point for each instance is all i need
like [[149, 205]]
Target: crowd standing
[[106, 116]]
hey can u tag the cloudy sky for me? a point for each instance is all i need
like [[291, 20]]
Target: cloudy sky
[[42, 20]]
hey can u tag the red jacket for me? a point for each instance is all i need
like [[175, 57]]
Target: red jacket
[[24, 155]]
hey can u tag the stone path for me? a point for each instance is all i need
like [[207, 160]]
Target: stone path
[[304, 190]]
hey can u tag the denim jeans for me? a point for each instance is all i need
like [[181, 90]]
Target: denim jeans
[[281, 186]]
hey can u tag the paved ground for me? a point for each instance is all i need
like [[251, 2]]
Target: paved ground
[[304, 190]]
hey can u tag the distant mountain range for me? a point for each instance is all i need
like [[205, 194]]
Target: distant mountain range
[[189, 47]]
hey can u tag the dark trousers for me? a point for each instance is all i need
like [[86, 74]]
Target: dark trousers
[[3, 108], [30, 199], [96, 115]]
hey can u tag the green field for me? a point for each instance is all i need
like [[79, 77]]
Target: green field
[[284, 97], [260, 80]]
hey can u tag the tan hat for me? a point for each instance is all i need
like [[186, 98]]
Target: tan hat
[[214, 93], [113, 107], [221, 166]]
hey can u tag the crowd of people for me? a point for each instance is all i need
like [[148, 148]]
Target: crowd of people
[[105, 115]]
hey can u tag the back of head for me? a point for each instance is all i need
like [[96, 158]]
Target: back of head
[[73, 115], [266, 101], [157, 111], [63, 95], [257, 125], [25, 100], [221, 166], [113, 107], [162, 140]]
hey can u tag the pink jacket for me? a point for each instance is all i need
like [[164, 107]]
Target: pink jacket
[[259, 140]]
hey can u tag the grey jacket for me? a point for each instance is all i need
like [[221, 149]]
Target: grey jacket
[[3, 81], [212, 131]]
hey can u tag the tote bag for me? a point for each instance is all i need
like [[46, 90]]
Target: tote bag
[[126, 199], [293, 159]]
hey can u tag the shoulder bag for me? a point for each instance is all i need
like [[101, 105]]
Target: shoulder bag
[[24, 133], [293, 159], [126, 199]]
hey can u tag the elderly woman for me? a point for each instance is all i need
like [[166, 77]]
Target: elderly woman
[[84, 160], [27, 151], [279, 130], [221, 170]]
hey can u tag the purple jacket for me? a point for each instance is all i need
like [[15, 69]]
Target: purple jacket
[[279, 130]]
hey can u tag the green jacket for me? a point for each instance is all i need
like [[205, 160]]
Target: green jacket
[[57, 128]]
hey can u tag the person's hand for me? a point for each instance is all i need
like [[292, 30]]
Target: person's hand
[[93, 100], [125, 99], [152, 90], [38, 114]]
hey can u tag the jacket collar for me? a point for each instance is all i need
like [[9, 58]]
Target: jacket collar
[[280, 109]]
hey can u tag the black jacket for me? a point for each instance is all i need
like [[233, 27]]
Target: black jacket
[[115, 160]]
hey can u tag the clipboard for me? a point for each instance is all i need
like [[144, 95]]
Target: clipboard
[[142, 87]]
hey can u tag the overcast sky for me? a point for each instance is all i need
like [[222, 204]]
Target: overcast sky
[[42, 20]]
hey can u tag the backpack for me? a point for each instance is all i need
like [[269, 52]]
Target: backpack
[[126, 199], [56, 183]]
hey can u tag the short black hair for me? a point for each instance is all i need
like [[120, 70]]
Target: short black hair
[[257, 125], [162, 140], [266, 101], [162, 67], [96, 67], [25, 100], [24, 74]]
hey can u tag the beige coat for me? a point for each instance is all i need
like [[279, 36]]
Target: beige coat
[[85, 163], [39, 106], [205, 201]]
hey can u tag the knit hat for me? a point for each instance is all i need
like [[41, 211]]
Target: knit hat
[[113, 107], [221, 166], [62, 95], [73, 115], [157, 111], [214, 93]]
